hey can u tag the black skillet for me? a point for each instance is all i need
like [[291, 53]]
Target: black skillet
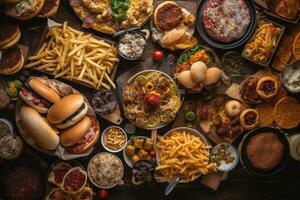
[[230, 45], [247, 164], [9, 165]]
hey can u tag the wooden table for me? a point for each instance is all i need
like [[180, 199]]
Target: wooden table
[[239, 184]]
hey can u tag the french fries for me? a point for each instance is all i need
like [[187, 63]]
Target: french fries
[[184, 154], [76, 56], [114, 139]]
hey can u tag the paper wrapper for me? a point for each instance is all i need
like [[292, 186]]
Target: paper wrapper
[[63, 90]]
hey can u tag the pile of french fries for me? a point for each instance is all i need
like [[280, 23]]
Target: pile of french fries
[[76, 56], [183, 154]]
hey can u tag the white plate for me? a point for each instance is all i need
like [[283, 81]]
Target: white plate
[[224, 167], [126, 158]]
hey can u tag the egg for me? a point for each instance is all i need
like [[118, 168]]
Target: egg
[[212, 75], [198, 70], [186, 80]]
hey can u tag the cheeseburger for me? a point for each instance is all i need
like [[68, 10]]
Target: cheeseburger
[[12, 61], [39, 95], [49, 9], [9, 35], [24, 9], [82, 136], [68, 111], [37, 128]]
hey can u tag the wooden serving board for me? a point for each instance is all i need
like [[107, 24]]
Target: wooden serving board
[[269, 12], [212, 180]]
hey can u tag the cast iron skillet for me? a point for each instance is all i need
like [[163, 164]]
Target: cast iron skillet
[[22, 162], [247, 164], [230, 45]]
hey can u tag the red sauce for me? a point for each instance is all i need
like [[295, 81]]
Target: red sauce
[[59, 173], [74, 180]]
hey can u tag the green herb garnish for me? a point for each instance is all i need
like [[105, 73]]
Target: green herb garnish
[[119, 9]]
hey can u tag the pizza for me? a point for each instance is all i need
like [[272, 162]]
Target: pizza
[[110, 16], [225, 20]]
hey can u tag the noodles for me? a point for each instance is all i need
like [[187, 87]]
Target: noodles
[[151, 100]]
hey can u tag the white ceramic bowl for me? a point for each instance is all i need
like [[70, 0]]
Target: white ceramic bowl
[[8, 123], [97, 185], [107, 148], [224, 167], [126, 158]]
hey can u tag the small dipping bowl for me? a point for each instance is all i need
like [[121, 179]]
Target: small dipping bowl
[[232, 63], [286, 76], [8, 124], [103, 137], [231, 150], [142, 33]]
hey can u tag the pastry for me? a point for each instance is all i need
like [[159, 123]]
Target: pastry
[[267, 87], [249, 119]]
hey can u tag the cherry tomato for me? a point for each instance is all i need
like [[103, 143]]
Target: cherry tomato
[[152, 152], [103, 194], [157, 55]]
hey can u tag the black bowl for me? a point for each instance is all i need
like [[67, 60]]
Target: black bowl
[[246, 162], [230, 45], [9, 165]]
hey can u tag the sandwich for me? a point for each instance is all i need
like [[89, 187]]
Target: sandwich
[[82, 136], [173, 26], [37, 128], [24, 9], [39, 95], [50, 8], [12, 61], [68, 111], [9, 35]]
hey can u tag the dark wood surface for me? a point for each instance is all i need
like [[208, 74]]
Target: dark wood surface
[[239, 185]]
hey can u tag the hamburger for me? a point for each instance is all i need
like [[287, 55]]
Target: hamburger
[[82, 136], [12, 61], [167, 16], [50, 8], [9, 35], [38, 95], [68, 111], [37, 128], [24, 9], [173, 26]]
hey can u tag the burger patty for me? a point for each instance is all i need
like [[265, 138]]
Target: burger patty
[[265, 151], [48, 5], [82, 107], [169, 16], [7, 31], [10, 58]]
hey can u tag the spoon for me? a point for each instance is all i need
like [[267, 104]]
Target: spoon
[[172, 185]]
